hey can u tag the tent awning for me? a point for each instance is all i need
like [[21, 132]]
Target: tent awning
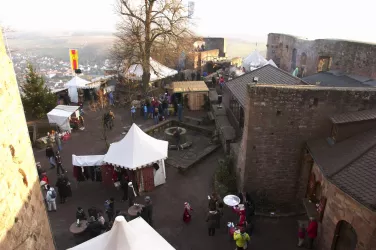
[[133, 235], [136, 150], [157, 71], [77, 82], [87, 160], [189, 86], [60, 114]]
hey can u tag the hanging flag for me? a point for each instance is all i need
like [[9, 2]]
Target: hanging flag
[[73, 54]]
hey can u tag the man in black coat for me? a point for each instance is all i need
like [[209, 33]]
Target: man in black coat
[[147, 211], [124, 185], [94, 227]]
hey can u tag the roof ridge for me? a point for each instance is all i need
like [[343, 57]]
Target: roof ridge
[[353, 160]]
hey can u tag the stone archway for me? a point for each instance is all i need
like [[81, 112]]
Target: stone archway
[[345, 237]]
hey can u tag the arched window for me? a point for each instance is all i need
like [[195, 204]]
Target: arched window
[[345, 237]]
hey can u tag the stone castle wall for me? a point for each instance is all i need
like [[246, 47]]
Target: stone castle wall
[[341, 207], [278, 122], [347, 56], [23, 217]]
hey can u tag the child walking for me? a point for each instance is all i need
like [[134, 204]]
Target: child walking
[[301, 236], [187, 212]]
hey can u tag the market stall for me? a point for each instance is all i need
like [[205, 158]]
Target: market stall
[[193, 91], [134, 235], [254, 61], [92, 167], [76, 85], [61, 116], [141, 154]]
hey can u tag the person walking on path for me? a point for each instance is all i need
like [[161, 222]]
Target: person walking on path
[[145, 108], [312, 231], [180, 112], [147, 211], [212, 221], [131, 194], [241, 239], [187, 213], [62, 185], [51, 156], [110, 208], [124, 179], [133, 113], [59, 164], [58, 141], [156, 116], [51, 199], [301, 236]]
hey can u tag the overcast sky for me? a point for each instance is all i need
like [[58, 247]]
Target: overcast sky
[[226, 18]]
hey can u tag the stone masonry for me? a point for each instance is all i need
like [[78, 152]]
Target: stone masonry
[[341, 206], [278, 122], [23, 218], [347, 56]]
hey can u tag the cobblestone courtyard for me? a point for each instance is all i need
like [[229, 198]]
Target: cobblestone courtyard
[[168, 199]]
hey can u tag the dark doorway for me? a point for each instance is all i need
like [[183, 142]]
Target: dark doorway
[[303, 60], [345, 237], [293, 60]]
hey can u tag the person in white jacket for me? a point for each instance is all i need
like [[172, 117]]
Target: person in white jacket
[[51, 199]]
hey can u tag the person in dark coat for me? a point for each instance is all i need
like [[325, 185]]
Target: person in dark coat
[[245, 198], [63, 187], [131, 194], [124, 179], [110, 209], [147, 211], [93, 212], [94, 227], [80, 214], [59, 163], [212, 220], [50, 154]]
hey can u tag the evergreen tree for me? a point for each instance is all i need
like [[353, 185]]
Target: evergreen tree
[[37, 99]]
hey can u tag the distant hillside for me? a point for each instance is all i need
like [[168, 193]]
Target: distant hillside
[[96, 45], [241, 48]]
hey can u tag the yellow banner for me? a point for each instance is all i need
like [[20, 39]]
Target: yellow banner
[[73, 54]]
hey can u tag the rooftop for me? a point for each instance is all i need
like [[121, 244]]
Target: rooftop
[[354, 116], [189, 86], [350, 165], [267, 74], [339, 79]]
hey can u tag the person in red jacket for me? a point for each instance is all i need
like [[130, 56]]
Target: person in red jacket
[[312, 231], [187, 213], [240, 210]]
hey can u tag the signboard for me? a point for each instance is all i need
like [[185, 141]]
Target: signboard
[[73, 54]]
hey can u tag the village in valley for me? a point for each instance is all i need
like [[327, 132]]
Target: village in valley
[[170, 143]]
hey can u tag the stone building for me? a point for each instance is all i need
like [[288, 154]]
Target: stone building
[[23, 217], [341, 191], [313, 56], [235, 93], [279, 120]]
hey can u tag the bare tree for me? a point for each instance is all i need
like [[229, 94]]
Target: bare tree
[[149, 26]]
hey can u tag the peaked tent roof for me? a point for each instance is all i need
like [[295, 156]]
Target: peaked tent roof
[[255, 60], [127, 235], [157, 71], [271, 62], [136, 149], [77, 82]]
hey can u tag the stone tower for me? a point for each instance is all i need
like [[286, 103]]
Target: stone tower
[[23, 219]]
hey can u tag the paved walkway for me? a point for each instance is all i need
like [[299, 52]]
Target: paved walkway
[[192, 186]]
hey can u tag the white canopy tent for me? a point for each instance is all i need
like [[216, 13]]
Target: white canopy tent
[[137, 150], [87, 160], [157, 70], [271, 62], [74, 84], [133, 235], [60, 116], [253, 61]]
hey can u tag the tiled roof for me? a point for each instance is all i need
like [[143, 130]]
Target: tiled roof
[[267, 74], [338, 79], [350, 165], [354, 116]]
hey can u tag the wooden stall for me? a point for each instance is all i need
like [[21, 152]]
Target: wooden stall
[[193, 91]]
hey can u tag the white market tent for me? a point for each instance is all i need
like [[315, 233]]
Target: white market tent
[[133, 235], [87, 160], [157, 71], [60, 116], [271, 62], [253, 61], [74, 84], [137, 150]]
